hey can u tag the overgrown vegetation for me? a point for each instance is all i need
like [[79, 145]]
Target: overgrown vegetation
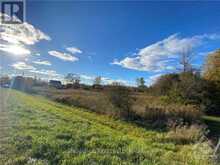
[[121, 99], [44, 132], [174, 105]]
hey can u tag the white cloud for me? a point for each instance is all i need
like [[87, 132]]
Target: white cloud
[[74, 50], [157, 57], [14, 37], [40, 62], [22, 66], [51, 73], [86, 77], [152, 79], [24, 33], [44, 74], [63, 56], [105, 80], [15, 49]]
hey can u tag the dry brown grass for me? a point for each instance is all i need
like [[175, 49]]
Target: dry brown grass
[[186, 134], [147, 108]]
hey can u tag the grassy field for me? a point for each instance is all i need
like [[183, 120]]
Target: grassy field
[[37, 131]]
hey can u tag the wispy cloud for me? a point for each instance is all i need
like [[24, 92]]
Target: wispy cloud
[[74, 50], [15, 37], [107, 80], [41, 62], [162, 55], [50, 73], [23, 66], [33, 71], [63, 56]]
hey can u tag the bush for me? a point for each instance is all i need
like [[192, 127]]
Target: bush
[[120, 97], [188, 88]]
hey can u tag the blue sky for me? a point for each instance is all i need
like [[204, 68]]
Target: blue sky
[[116, 40]]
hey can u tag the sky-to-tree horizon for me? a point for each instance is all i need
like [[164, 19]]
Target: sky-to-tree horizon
[[119, 41]]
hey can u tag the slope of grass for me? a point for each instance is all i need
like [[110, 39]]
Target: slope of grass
[[44, 132]]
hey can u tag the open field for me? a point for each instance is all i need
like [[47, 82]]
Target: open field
[[41, 132]]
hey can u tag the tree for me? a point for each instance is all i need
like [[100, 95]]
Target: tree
[[211, 70], [121, 98], [140, 82], [98, 80], [74, 79], [211, 73], [186, 59], [165, 83], [185, 87]]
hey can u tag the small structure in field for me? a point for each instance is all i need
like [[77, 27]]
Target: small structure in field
[[55, 83]]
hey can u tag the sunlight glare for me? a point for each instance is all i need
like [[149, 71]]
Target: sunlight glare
[[17, 50]]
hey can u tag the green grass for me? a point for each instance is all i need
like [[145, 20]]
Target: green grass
[[37, 131]]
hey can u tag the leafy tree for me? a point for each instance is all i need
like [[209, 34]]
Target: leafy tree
[[212, 67], [140, 82], [185, 88], [211, 73]]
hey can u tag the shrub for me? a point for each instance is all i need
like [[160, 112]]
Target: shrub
[[164, 84], [184, 134], [121, 98], [188, 88]]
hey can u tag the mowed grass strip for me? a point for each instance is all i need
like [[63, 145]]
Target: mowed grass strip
[[46, 132]]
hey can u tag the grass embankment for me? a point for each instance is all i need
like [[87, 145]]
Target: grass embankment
[[44, 132]]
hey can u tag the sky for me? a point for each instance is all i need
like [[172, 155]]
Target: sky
[[119, 41]]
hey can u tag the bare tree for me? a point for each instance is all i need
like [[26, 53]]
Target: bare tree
[[98, 80], [73, 78], [186, 59]]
